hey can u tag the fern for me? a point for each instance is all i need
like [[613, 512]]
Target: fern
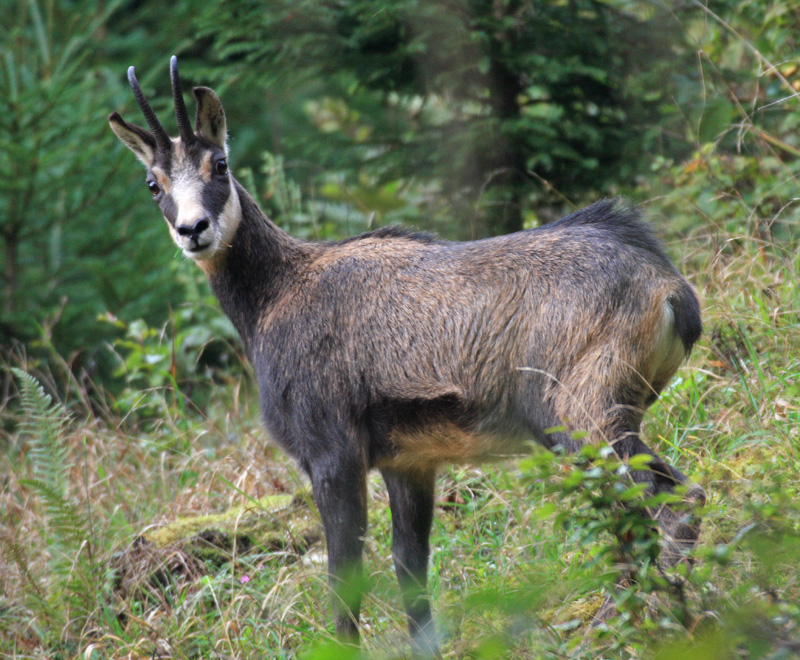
[[67, 531], [42, 424]]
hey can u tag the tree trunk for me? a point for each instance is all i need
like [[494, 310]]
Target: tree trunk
[[505, 169]]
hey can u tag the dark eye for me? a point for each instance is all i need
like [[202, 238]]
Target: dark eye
[[153, 186], [221, 166]]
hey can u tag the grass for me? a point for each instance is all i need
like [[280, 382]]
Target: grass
[[514, 572]]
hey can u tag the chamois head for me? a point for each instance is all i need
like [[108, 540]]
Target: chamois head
[[188, 176]]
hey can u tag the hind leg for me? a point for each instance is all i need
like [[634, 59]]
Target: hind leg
[[613, 414], [679, 525]]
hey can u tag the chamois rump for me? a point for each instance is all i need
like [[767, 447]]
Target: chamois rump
[[399, 351]]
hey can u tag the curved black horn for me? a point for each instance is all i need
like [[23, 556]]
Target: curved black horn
[[162, 139], [181, 114]]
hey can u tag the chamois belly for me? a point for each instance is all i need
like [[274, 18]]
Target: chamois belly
[[447, 442]]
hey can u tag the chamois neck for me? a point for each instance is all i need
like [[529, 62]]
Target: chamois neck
[[259, 264]]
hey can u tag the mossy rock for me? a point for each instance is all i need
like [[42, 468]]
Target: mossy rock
[[185, 549], [277, 522]]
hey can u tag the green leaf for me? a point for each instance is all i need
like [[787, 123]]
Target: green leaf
[[715, 120], [640, 461]]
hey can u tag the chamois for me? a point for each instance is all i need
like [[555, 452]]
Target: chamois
[[400, 351]]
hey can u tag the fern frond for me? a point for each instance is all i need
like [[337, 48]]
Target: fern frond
[[70, 597], [64, 518], [43, 426], [42, 423]]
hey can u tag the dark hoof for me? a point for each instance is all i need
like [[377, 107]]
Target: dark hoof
[[425, 642]]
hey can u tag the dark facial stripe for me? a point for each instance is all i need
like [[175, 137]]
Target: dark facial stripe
[[169, 208], [215, 195], [198, 149]]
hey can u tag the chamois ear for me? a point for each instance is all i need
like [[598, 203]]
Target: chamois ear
[[138, 140], [210, 121]]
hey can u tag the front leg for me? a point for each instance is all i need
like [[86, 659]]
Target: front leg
[[411, 501], [340, 492]]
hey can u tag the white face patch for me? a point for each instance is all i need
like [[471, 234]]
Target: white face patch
[[187, 192]]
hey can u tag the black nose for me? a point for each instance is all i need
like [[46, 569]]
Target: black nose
[[199, 227]]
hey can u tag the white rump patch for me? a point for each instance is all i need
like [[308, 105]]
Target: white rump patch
[[668, 352]]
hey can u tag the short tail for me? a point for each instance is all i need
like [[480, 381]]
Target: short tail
[[688, 323]]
